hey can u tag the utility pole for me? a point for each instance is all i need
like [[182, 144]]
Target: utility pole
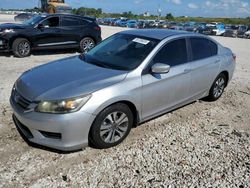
[[159, 12]]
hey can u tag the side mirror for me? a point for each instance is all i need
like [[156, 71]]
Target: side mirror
[[40, 26], [160, 68]]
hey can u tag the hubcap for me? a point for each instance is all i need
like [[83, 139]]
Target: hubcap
[[114, 127], [87, 45], [219, 87], [24, 48]]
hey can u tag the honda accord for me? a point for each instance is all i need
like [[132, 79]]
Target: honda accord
[[129, 78]]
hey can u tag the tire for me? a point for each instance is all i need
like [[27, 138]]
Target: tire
[[86, 44], [21, 47], [111, 126], [217, 88]]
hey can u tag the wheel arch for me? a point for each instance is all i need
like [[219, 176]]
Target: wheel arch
[[90, 36], [129, 103], [19, 37], [226, 75]]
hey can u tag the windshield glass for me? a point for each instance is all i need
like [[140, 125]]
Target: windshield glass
[[121, 51], [34, 20]]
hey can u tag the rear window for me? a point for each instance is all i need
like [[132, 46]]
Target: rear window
[[69, 21], [202, 48]]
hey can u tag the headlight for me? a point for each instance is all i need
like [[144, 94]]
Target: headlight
[[9, 31], [62, 106]]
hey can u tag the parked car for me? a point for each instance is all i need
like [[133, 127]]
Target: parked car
[[217, 28], [132, 24], [247, 34], [122, 23], [178, 26], [52, 31], [129, 78], [231, 31], [242, 30], [23, 17]]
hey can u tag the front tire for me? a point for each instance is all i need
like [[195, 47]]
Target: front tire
[[21, 47], [111, 126], [86, 44], [217, 88]]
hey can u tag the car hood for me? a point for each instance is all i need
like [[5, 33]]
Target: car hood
[[12, 26], [66, 78]]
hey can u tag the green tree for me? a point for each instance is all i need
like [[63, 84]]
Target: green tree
[[169, 16]]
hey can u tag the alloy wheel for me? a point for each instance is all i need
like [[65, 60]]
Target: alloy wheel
[[24, 48], [87, 44], [219, 87], [114, 127]]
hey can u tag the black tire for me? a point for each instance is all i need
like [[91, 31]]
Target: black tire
[[21, 47], [86, 44], [217, 88], [98, 141]]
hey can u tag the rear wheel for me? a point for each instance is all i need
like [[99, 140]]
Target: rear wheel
[[111, 126], [217, 88], [86, 44], [21, 47]]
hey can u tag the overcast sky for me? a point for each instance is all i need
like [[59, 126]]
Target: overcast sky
[[204, 8]]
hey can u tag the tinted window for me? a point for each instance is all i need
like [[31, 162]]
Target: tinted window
[[202, 48], [51, 22], [173, 53], [67, 21]]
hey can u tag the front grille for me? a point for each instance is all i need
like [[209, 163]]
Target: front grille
[[20, 100]]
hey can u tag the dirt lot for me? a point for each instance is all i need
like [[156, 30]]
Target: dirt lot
[[202, 144]]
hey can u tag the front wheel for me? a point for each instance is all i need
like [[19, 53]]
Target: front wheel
[[217, 88], [111, 126], [86, 44], [21, 47]]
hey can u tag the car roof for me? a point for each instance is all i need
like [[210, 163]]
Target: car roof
[[71, 15], [159, 34]]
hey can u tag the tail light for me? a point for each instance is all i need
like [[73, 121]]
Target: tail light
[[234, 57], [97, 28]]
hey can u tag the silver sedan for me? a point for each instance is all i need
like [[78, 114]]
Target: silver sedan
[[129, 78]]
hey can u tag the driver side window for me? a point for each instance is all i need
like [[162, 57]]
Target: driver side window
[[173, 53], [51, 22]]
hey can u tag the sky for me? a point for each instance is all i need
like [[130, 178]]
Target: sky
[[202, 8]]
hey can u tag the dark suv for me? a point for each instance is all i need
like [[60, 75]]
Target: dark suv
[[53, 31]]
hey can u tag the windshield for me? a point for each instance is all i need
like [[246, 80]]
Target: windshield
[[34, 20], [121, 51]]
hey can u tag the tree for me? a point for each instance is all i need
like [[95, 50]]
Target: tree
[[169, 16]]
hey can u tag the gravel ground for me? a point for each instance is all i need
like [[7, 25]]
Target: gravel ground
[[200, 145]]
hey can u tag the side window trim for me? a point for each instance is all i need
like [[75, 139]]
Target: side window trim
[[49, 18], [151, 63], [72, 18]]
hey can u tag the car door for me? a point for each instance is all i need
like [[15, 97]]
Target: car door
[[72, 28], [161, 92], [204, 65], [48, 33]]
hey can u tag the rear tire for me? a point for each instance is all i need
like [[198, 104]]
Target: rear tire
[[111, 126], [86, 44], [21, 47], [217, 88]]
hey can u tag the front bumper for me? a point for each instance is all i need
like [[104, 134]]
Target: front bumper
[[66, 132], [4, 44]]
